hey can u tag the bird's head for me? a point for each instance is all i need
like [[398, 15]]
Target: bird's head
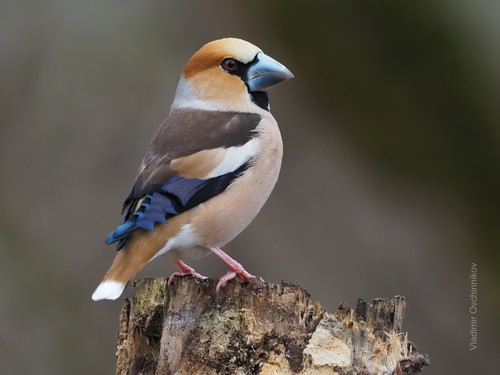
[[229, 74]]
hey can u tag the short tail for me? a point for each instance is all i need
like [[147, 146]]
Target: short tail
[[124, 267], [141, 247]]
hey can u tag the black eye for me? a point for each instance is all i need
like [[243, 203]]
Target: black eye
[[229, 64]]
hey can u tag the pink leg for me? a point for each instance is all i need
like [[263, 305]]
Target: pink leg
[[235, 269], [184, 270]]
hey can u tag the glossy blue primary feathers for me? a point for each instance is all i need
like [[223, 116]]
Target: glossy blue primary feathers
[[175, 196]]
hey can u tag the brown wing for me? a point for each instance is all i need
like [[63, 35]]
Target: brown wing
[[191, 137]]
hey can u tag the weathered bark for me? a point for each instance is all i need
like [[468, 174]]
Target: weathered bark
[[188, 328]]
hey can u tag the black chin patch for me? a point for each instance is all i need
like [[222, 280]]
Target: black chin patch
[[261, 99]]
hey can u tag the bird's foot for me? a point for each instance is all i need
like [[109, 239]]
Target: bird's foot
[[184, 271], [235, 270], [231, 274]]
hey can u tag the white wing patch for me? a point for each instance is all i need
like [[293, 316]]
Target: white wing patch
[[234, 157]]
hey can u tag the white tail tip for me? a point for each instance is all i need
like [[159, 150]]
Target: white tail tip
[[108, 290]]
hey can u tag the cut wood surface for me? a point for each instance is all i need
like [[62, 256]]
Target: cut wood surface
[[260, 328]]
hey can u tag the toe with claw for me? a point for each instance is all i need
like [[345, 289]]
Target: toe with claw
[[184, 271], [235, 270]]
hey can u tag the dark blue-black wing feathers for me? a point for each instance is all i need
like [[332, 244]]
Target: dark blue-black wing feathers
[[175, 196]]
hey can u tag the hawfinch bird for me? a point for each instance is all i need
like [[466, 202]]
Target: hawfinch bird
[[209, 169]]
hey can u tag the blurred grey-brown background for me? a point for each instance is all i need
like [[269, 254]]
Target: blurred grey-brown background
[[390, 182]]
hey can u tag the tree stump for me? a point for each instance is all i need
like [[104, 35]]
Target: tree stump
[[189, 328]]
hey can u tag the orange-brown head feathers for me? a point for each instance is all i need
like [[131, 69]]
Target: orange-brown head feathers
[[212, 54], [228, 74]]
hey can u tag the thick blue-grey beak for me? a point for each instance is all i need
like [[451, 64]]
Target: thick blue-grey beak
[[265, 73]]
